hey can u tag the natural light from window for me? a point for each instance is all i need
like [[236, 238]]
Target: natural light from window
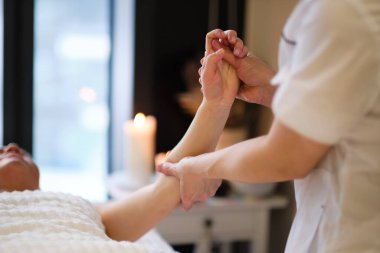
[[71, 93]]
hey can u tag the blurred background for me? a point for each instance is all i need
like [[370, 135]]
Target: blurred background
[[75, 70]]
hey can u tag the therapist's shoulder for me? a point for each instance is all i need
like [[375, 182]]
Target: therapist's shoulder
[[342, 17], [334, 10]]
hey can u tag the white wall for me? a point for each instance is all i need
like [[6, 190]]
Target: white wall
[[263, 26]]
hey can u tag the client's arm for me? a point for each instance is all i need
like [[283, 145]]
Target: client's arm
[[130, 218]]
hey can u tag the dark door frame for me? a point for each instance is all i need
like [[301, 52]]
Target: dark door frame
[[18, 72]]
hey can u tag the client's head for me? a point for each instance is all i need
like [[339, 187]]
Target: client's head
[[17, 169]]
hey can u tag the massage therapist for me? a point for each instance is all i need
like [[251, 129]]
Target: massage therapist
[[326, 131]]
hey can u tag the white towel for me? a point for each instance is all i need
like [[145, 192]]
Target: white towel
[[35, 221]]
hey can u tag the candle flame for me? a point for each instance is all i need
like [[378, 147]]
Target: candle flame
[[139, 120]]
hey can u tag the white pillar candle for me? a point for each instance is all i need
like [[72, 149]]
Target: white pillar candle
[[139, 139]]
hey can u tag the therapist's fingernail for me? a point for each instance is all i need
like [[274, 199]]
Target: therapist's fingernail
[[236, 51]]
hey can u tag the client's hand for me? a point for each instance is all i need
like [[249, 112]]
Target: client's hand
[[194, 186], [218, 79]]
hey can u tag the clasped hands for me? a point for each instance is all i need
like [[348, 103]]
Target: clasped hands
[[225, 64]]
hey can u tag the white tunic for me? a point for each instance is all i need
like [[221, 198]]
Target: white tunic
[[330, 92]]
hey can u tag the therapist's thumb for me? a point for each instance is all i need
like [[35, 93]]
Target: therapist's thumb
[[169, 169]]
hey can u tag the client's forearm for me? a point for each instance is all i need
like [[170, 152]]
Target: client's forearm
[[203, 133], [130, 218]]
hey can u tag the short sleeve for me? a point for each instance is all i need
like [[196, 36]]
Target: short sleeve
[[332, 79]]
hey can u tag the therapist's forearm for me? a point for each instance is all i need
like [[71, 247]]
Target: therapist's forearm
[[281, 155], [250, 161]]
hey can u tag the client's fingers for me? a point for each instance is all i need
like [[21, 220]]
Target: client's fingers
[[168, 169]]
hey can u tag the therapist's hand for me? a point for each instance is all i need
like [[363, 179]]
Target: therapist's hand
[[194, 185], [252, 71], [228, 39]]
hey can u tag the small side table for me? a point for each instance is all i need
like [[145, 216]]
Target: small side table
[[232, 219]]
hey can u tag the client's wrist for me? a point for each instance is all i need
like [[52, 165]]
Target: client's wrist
[[166, 190], [222, 105]]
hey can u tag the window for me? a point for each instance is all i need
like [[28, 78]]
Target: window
[[71, 95]]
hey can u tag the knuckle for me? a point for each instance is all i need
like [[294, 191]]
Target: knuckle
[[210, 33], [217, 30], [231, 32]]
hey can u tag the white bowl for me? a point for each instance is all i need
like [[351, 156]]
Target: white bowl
[[256, 190]]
